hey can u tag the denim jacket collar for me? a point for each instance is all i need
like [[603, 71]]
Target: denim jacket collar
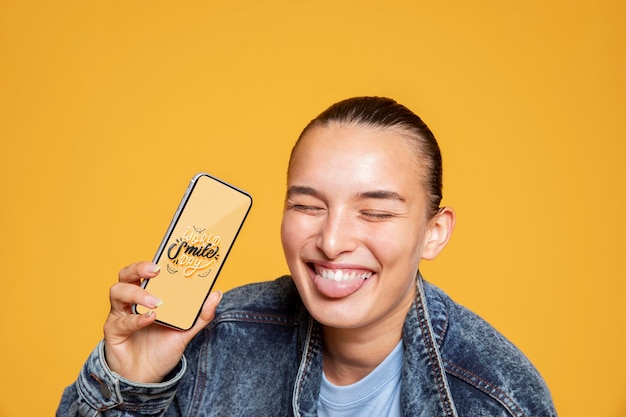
[[424, 383]]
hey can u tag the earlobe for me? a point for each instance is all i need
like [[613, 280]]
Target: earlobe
[[439, 232]]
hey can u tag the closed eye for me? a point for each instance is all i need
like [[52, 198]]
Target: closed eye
[[377, 215], [306, 209]]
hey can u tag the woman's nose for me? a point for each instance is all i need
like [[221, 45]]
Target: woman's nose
[[337, 235]]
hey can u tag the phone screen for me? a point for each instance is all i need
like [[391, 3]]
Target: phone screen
[[195, 248]]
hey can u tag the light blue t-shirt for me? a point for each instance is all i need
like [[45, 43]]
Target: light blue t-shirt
[[378, 394]]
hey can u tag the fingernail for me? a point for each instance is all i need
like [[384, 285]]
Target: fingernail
[[149, 313], [153, 301], [156, 268]]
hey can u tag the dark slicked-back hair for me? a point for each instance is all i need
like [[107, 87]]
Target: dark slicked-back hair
[[385, 113]]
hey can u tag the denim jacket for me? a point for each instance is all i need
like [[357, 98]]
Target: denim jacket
[[262, 356]]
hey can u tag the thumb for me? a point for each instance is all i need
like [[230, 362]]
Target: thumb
[[206, 314], [210, 305]]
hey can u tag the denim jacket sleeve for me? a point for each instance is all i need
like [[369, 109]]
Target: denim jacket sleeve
[[98, 391]]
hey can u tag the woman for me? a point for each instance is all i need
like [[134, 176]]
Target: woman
[[354, 331]]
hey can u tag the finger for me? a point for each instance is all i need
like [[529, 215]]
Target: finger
[[134, 273], [206, 314], [118, 328], [123, 295]]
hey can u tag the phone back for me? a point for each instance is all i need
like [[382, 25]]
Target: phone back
[[195, 248]]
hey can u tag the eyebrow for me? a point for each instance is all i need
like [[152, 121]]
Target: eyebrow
[[301, 190], [375, 194], [382, 195]]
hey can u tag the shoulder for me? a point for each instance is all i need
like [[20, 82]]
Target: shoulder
[[481, 362], [248, 351], [278, 298], [253, 313]]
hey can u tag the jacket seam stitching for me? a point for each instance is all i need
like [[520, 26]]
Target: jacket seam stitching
[[485, 386], [260, 318]]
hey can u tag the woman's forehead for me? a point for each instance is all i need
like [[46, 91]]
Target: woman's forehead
[[356, 141], [355, 154]]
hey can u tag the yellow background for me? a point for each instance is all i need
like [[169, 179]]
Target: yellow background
[[107, 108]]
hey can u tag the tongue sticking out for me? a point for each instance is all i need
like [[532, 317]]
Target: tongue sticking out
[[337, 289]]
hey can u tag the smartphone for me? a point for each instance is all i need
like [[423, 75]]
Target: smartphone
[[195, 248]]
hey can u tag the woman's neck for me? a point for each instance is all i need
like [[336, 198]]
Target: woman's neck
[[351, 354]]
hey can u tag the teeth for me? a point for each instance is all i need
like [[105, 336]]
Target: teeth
[[340, 275]]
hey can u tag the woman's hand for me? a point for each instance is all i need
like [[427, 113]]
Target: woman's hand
[[135, 347]]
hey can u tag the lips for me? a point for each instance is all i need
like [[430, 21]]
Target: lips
[[339, 282]]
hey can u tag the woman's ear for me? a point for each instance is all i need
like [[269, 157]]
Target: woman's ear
[[439, 231]]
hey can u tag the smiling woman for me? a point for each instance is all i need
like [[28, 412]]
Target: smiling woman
[[366, 211], [354, 331]]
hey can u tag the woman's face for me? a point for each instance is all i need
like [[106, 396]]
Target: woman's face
[[355, 224]]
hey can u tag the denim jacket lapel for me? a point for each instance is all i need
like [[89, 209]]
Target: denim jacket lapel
[[425, 390]]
